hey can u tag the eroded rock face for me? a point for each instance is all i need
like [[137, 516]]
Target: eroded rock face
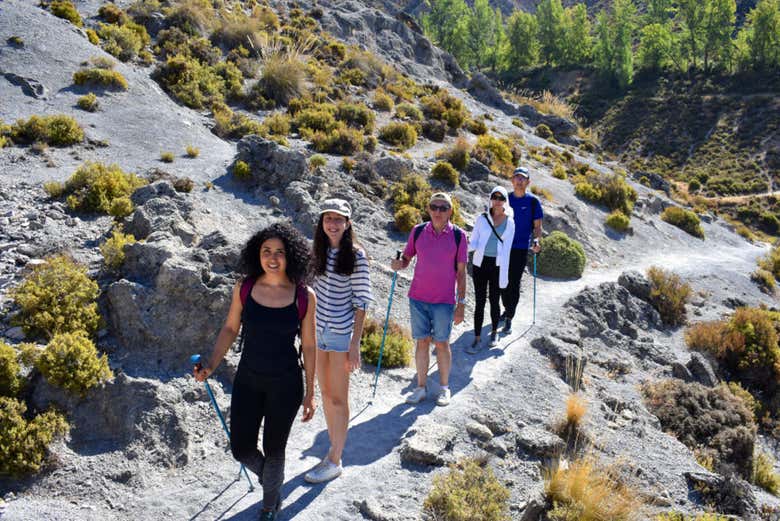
[[271, 164], [429, 444]]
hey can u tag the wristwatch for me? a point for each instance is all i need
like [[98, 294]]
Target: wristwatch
[[462, 300]]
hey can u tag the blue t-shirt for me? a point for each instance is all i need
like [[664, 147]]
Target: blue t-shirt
[[491, 248], [527, 209]]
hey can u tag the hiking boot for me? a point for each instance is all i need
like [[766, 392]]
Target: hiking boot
[[443, 398], [493, 339], [323, 473], [474, 347], [507, 328], [267, 515], [417, 395]]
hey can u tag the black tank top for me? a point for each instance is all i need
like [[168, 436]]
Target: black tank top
[[269, 337]]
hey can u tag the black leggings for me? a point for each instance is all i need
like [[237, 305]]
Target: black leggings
[[511, 294], [486, 283], [275, 401]]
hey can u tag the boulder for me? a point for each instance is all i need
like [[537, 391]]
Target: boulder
[[657, 182], [479, 431], [701, 370], [272, 165], [636, 284], [393, 168], [540, 442], [482, 89], [476, 171], [429, 444]]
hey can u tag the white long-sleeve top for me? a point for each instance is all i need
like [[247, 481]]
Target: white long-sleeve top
[[479, 239]]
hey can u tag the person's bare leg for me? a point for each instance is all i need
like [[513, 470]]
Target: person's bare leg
[[338, 410], [323, 360], [422, 358], [444, 361]]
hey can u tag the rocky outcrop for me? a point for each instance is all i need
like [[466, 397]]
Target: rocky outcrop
[[429, 444], [482, 89], [271, 165]]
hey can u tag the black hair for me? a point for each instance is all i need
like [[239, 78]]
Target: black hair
[[296, 251], [345, 260]]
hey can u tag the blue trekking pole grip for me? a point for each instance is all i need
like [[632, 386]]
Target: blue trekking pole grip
[[387, 320], [195, 360], [534, 321]]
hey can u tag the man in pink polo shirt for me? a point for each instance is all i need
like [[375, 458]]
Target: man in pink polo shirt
[[441, 265]]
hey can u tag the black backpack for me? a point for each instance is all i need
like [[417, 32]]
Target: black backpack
[[455, 230]]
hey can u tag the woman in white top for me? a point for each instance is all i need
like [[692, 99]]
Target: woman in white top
[[343, 290], [491, 242]]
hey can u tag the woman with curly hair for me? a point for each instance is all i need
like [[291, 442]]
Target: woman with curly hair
[[343, 292], [268, 387]]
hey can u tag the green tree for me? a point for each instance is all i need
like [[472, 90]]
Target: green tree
[[691, 18], [498, 51], [656, 50], [447, 24], [659, 12], [522, 40], [762, 35], [577, 40], [719, 19], [614, 55], [481, 33], [549, 15]]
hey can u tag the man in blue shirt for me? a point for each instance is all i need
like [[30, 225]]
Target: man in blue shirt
[[528, 231]]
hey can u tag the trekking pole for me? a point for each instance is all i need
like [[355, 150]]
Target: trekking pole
[[195, 360], [534, 321], [387, 320]]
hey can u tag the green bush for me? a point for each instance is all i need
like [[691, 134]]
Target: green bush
[[408, 111], [493, 152], [183, 184], [434, 130], [10, 381], [686, 220], [764, 279], [120, 207], [669, 294], [16, 41], [100, 77], [398, 344], [123, 41], [477, 127], [543, 131], [710, 420], [166, 157], [283, 78], [25, 441], [370, 143], [445, 107], [94, 186], [197, 85], [318, 118], [561, 257], [457, 155], [88, 102], [65, 9], [113, 249], [241, 171], [113, 14], [771, 262], [348, 164], [443, 171], [382, 101], [71, 362], [764, 474], [54, 189], [356, 115], [317, 161], [230, 125], [610, 190], [278, 124], [192, 152], [92, 36], [56, 297], [58, 130], [342, 140], [402, 135], [468, 492], [407, 217], [559, 171], [618, 221]]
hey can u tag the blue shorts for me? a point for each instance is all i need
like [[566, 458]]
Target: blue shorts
[[327, 340], [431, 320]]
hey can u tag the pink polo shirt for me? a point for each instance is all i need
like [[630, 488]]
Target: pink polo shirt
[[435, 275]]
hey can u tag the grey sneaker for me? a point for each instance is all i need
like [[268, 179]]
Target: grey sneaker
[[443, 398], [493, 339], [321, 474], [417, 395]]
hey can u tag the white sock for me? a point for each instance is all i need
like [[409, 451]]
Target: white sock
[[445, 387]]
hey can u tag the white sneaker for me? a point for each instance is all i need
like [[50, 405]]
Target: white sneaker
[[321, 474], [417, 395], [444, 398]]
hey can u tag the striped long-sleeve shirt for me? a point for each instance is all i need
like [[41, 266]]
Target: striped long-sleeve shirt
[[338, 295]]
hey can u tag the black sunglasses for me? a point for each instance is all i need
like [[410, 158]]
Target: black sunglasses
[[498, 197], [437, 208]]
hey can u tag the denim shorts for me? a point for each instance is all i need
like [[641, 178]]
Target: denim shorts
[[431, 320], [327, 340]]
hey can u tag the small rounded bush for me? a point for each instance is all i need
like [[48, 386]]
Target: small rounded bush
[[668, 295], [477, 126], [194, 84], [320, 118], [694, 186], [561, 257], [457, 155], [398, 344], [183, 184], [66, 10], [121, 207], [192, 152], [444, 171], [100, 77], [317, 161], [407, 217], [123, 41], [113, 249], [445, 107], [112, 13], [71, 362], [278, 124], [93, 37], [342, 140], [434, 130], [402, 135], [282, 78], [94, 187], [57, 297], [618, 221], [356, 115], [559, 171], [469, 491], [499, 149], [58, 130], [166, 157], [764, 279], [370, 143], [382, 101], [54, 189], [684, 219], [88, 102], [408, 111], [241, 170], [10, 382], [543, 131], [25, 441]]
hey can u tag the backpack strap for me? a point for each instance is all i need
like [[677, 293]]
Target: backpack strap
[[485, 215], [458, 233], [246, 289], [302, 300], [417, 231]]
